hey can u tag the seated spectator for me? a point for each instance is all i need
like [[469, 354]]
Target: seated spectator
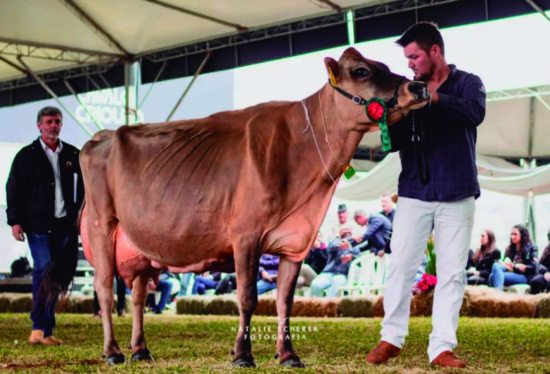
[[314, 263], [377, 236], [480, 263], [519, 264], [120, 298], [227, 284], [388, 210], [269, 266], [204, 282], [164, 286], [343, 228], [334, 275], [541, 281]]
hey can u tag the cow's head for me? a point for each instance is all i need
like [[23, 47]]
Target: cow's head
[[356, 80]]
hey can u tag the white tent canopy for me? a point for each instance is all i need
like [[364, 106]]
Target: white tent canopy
[[53, 35], [494, 174]]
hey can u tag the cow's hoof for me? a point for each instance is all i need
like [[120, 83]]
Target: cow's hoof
[[243, 362], [292, 362], [115, 359], [142, 355]]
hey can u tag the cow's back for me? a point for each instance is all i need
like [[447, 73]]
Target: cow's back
[[175, 185]]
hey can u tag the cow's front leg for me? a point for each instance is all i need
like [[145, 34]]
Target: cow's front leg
[[139, 294], [104, 287], [286, 284], [246, 267], [104, 261]]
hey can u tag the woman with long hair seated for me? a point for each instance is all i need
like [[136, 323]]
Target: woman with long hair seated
[[480, 263], [541, 281], [519, 264]]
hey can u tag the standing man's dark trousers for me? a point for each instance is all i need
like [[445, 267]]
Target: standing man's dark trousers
[[44, 249]]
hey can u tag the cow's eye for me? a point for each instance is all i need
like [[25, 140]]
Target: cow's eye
[[360, 72]]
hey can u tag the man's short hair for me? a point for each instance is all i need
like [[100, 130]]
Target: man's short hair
[[359, 212], [425, 34], [48, 111]]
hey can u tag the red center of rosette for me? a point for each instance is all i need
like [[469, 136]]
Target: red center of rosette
[[375, 111]]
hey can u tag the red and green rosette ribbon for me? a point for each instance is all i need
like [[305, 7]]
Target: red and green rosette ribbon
[[377, 112]]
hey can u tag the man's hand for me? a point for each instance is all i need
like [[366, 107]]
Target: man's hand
[[547, 276], [509, 266], [346, 258], [18, 233], [268, 278], [344, 244], [381, 253]]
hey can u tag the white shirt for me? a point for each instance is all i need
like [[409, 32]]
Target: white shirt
[[53, 156]]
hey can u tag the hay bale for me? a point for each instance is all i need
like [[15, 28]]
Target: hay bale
[[421, 304], [378, 307], [222, 306], [267, 306], [191, 305], [20, 304], [76, 304], [4, 303], [315, 307], [356, 307], [489, 302], [543, 307]]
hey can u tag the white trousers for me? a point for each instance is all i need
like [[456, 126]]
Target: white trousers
[[413, 223]]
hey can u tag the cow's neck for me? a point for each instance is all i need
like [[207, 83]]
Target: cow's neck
[[332, 141]]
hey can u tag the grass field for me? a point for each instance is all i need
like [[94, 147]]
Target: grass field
[[183, 344]]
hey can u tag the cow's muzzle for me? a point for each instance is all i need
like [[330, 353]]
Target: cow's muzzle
[[419, 90]]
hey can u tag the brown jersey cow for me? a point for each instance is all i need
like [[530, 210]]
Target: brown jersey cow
[[217, 192]]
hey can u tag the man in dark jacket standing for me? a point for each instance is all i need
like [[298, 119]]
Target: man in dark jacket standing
[[437, 190], [44, 192]]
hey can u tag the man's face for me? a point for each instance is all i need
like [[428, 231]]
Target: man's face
[[50, 127], [342, 217], [387, 204], [420, 62]]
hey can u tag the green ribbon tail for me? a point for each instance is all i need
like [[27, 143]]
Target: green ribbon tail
[[385, 135]]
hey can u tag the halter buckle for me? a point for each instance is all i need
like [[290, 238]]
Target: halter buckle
[[356, 100]]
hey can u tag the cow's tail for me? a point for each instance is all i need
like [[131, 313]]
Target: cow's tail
[[62, 268]]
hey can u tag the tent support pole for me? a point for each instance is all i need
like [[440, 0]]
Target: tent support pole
[[54, 96], [197, 73]]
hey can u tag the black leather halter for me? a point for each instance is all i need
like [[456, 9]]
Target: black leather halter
[[391, 103]]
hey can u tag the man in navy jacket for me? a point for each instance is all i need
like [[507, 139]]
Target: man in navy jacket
[[437, 191], [377, 234]]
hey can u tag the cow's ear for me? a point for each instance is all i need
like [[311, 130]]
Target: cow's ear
[[333, 70]]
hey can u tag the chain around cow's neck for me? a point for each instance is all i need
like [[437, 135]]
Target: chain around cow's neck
[[308, 125]]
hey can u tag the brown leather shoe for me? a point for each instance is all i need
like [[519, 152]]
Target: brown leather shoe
[[36, 337], [51, 340], [382, 353], [449, 360]]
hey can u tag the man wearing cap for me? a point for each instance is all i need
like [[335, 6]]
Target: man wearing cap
[[343, 228]]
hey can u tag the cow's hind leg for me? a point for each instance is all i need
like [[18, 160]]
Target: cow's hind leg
[[286, 284], [139, 294], [246, 267]]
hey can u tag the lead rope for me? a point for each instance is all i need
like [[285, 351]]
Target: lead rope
[[308, 125], [326, 133], [420, 151]]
